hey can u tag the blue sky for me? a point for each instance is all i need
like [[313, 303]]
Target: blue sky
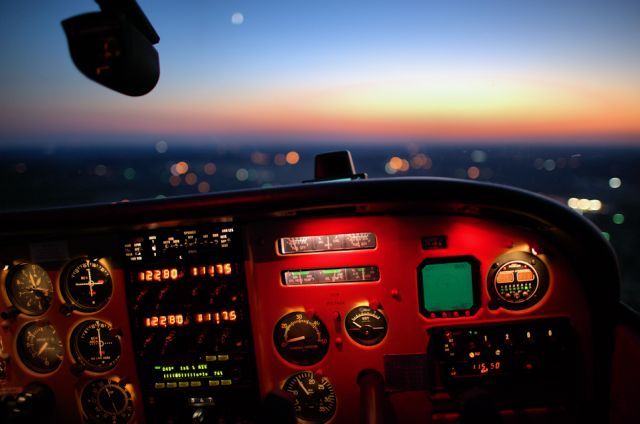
[[418, 69]]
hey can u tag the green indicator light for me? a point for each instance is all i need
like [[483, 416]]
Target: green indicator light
[[606, 235], [618, 218], [330, 271]]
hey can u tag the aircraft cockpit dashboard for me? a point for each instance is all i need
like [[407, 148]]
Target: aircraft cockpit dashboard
[[397, 301]]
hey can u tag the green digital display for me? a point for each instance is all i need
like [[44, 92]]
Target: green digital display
[[197, 374], [447, 286]]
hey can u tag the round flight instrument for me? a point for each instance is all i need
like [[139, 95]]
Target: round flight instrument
[[86, 285], [314, 399], [94, 346], [29, 288], [301, 340], [40, 347], [366, 326], [106, 401], [518, 280]]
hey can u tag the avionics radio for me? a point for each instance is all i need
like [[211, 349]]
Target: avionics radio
[[192, 333]]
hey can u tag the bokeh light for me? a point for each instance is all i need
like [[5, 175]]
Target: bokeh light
[[293, 157], [615, 182]]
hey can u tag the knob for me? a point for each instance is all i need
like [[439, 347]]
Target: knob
[[9, 313], [35, 404], [168, 340], [140, 297]]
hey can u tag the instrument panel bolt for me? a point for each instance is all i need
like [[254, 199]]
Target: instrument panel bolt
[[66, 309], [310, 312], [10, 313], [76, 369], [374, 304]]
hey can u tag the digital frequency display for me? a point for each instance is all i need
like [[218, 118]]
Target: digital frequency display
[[178, 320], [448, 287], [330, 275], [173, 274], [326, 243], [202, 374]]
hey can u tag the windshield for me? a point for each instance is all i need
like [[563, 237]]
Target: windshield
[[542, 95]]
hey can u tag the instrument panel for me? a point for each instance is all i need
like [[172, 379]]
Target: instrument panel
[[202, 318], [383, 324], [78, 346]]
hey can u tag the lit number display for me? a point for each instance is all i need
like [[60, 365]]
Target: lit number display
[[216, 317], [174, 320], [158, 275], [179, 320], [173, 274], [486, 367], [212, 270]]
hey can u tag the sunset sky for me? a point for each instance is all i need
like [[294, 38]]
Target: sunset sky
[[342, 69]]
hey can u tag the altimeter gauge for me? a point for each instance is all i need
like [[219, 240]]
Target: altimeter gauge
[[29, 289], [94, 345], [86, 285]]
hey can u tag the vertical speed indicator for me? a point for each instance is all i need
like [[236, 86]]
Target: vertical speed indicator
[[95, 346]]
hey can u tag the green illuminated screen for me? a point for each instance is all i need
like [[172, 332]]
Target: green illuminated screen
[[447, 286]]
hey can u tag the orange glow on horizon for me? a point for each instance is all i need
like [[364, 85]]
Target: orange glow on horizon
[[445, 108]]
